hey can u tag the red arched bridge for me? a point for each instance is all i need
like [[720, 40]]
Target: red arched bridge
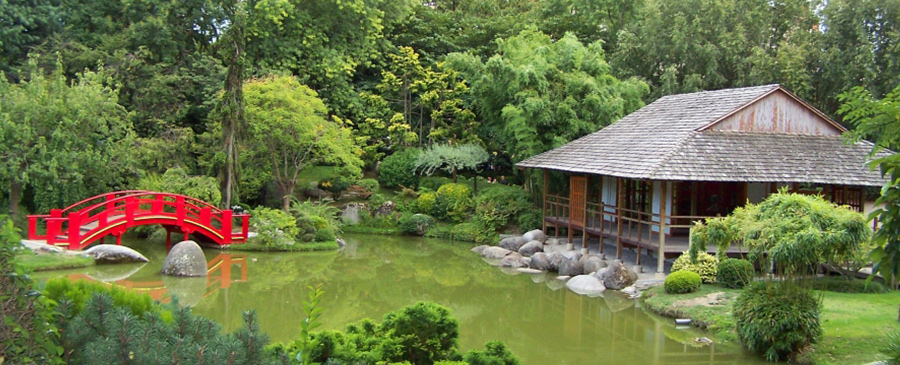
[[91, 219]]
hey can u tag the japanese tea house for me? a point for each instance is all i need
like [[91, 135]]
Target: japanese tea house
[[691, 156]]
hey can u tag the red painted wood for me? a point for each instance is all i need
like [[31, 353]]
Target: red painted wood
[[113, 213]]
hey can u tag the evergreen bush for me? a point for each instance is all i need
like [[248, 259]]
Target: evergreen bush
[[432, 183], [415, 224], [495, 353], [77, 293], [455, 200], [399, 169], [531, 219], [891, 348], [274, 227], [425, 203], [324, 235], [682, 282], [706, 266], [847, 285], [370, 185], [735, 273], [777, 320], [496, 207]]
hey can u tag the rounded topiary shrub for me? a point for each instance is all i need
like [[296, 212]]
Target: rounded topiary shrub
[[425, 203], [777, 320], [682, 282], [370, 185], [324, 235], [706, 266], [455, 201], [399, 169], [735, 273]]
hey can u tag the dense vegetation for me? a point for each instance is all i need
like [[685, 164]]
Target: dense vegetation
[[235, 90]]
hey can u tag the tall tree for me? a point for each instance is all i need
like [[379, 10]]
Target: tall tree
[[64, 141], [232, 113], [288, 130]]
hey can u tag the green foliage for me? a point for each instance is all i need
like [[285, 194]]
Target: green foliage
[[795, 231], [106, 333], [176, 180], [454, 201], [846, 285], [777, 320], [421, 334], [26, 331], [370, 185], [399, 169], [706, 265], [273, 227], [681, 282], [53, 129], [735, 273], [452, 159], [432, 183], [498, 206], [313, 311], [537, 93], [495, 353], [425, 203], [289, 130], [877, 120], [533, 219], [335, 185], [415, 224], [313, 217], [891, 349], [76, 294], [472, 232]]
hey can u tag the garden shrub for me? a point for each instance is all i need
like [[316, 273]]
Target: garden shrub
[[370, 185], [891, 348], [26, 331], [706, 266], [455, 200], [531, 219], [425, 203], [77, 293], [735, 273], [335, 185], [682, 282], [274, 227], [399, 169], [495, 353], [472, 232], [847, 285], [432, 183], [324, 235], [497, 206], [415, 224], [777, 320]]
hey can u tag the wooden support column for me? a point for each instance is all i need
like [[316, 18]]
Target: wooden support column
[[660, 268], [620, 201], [602, 214], [586, 218], [544, 202]]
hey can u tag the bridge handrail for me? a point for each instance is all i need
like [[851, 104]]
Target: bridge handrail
[[144, 193], [124, 192]]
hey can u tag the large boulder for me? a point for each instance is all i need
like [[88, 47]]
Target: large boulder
[[494, 252], [530, 248], [571, 268], [185, 259], [592, 263], [535, 235], [512, 243], [513, 260], [114, 254], [586, 285], [556, 260], [540, 261], [387, 208], [479, 249], [350, 212], [618, 277]]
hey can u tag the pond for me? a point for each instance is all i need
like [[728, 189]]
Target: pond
[[535, 315]]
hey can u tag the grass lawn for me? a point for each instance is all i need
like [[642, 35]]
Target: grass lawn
[[358, 228], [855, 326], [298, 247], [46, 262]]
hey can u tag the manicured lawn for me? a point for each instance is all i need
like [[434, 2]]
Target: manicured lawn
[[854, 325], [46, 262], [371, 230], [299, 247]]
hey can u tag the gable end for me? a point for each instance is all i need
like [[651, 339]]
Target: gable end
[[777, 112]]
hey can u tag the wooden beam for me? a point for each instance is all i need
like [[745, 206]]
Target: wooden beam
[[620, 199], [584, 217], [544, 203], [660, 261]]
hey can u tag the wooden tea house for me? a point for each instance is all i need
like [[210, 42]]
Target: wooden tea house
[[691, 156]]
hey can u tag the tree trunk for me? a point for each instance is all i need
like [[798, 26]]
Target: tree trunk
[[455, 175], [475, 184], [233, 99], [286, 199], [15, 193]]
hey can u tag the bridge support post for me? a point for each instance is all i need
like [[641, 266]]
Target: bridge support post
[[186, 235], [119, 239]]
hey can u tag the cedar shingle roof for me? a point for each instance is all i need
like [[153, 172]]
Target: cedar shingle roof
[[666, 140]]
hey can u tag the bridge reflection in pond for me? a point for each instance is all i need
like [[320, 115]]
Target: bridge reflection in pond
[[540, 320]]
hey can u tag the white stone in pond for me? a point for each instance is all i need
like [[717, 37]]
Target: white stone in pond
[[563, 277], [513, 260], [531, 248], [599, 274], [479, 249], [535, 235], [495, 252], [631, 290], [586, 285], [112, 254], [526, 270], [512, 243]]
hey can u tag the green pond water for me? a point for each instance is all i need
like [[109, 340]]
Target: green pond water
[[535, 315]]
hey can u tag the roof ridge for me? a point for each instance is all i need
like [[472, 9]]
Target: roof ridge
[[671, 153]]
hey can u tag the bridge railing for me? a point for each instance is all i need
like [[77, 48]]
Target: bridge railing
[[125, 208]]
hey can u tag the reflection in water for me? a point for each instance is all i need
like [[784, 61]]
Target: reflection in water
[[540, 320]]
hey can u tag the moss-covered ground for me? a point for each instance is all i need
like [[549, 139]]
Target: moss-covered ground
[[45, 262]]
